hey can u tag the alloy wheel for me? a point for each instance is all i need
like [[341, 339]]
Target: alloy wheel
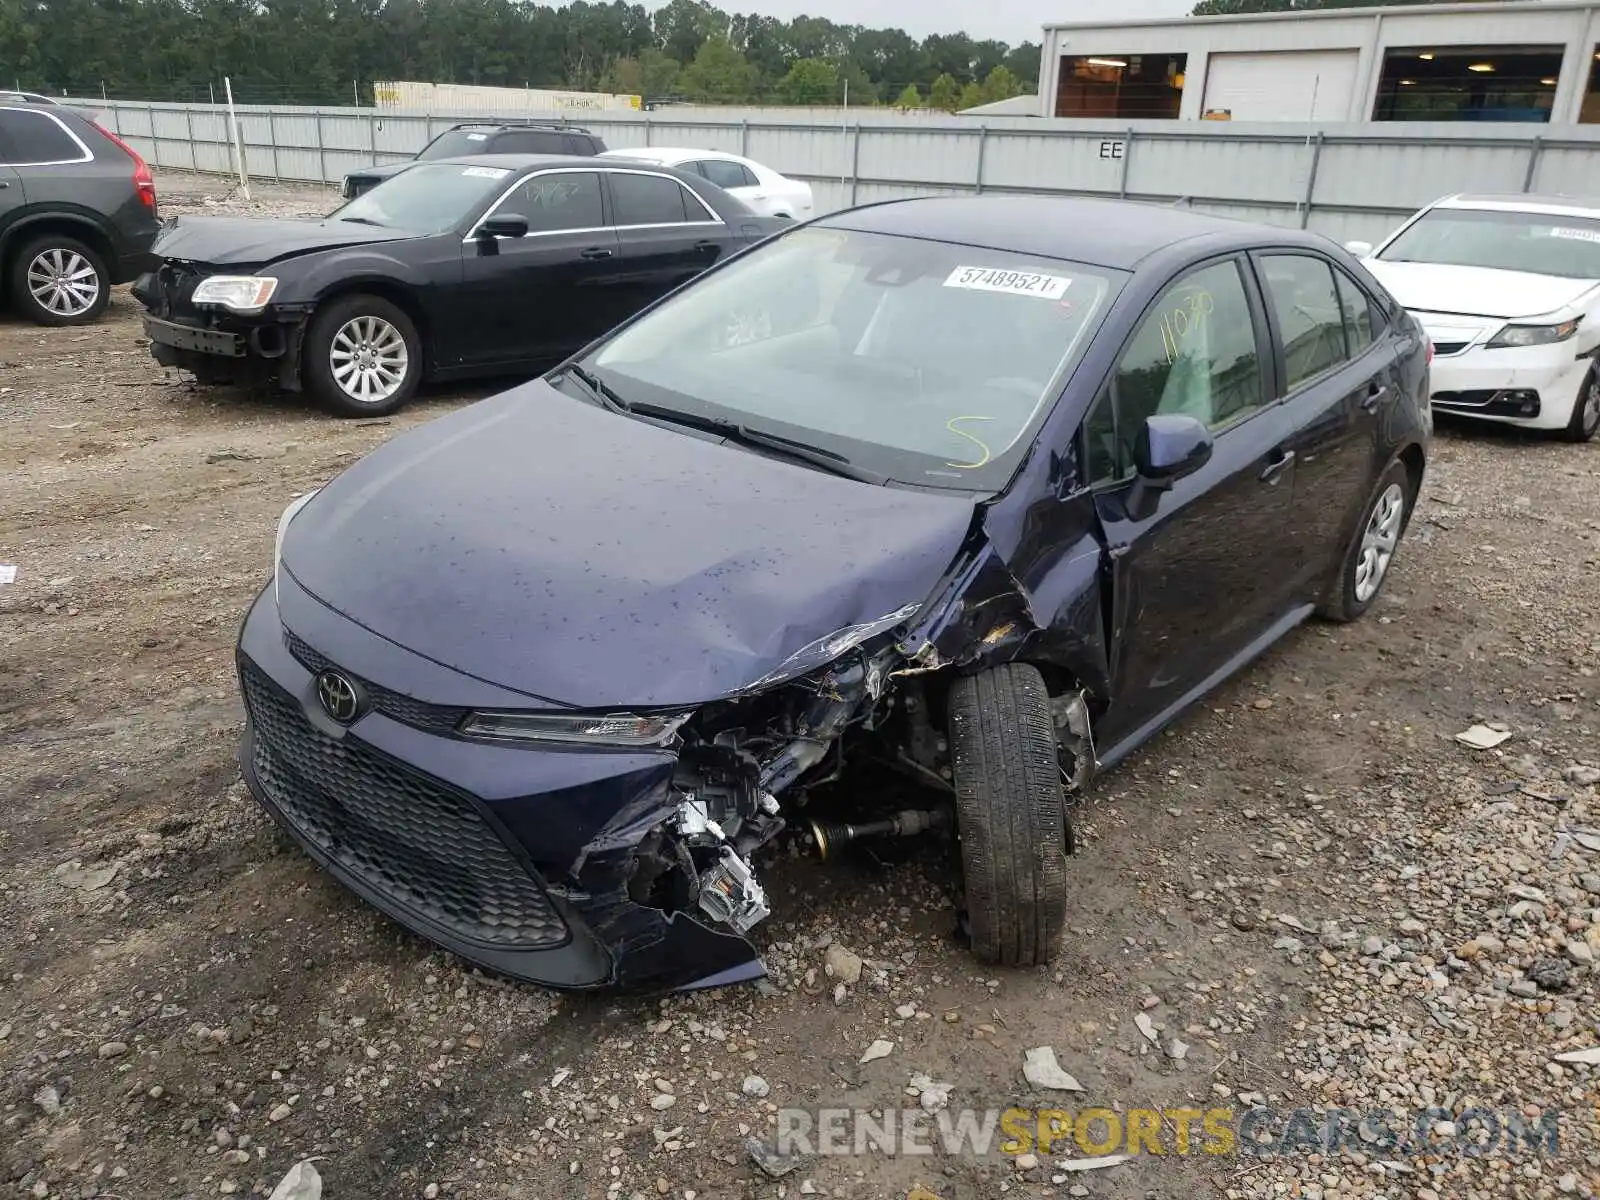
[[1379, 540], [63, 282], [1589, 417], [369, 359]]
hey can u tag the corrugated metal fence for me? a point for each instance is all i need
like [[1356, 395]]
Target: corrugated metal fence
[[1346, 181]]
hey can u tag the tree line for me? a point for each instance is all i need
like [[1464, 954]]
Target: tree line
[[331, 52]]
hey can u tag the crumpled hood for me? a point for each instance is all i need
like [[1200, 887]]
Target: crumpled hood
[[254, 241], [543, 544], [1475, 291]]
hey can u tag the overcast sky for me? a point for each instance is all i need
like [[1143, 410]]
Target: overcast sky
[[1008, 20]]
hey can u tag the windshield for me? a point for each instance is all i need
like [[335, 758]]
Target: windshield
[[1539, 243], [456, 143], [919, 361], [430, 198]]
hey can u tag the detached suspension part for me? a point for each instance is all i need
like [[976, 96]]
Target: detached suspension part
[[830, 837]]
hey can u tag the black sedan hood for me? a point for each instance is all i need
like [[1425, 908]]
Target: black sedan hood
[[255, 241], [546, 545], [383, 172]]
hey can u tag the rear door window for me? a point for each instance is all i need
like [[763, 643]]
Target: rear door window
[[726, 174], [1310, 318], [652, 200], [1359, 328], [530, 141], [34, 138]]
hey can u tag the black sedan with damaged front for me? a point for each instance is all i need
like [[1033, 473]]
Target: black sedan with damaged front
[[980, 491], [452, 268]]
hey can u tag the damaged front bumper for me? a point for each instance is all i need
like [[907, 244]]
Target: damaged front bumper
[[571, 867], [215, 345]]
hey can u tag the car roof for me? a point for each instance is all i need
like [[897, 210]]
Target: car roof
[[666, 153], [517, 123], [1552, 205], [516, 162], [1119, 234]]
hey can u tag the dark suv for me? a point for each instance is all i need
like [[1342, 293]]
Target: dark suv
[[77, 213], [485, 137]]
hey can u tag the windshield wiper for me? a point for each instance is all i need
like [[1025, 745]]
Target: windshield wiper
[[816, 456], [364, 221], [602, 391]]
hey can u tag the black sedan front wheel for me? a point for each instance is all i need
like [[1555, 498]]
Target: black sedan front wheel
[[1010, 814], [362, 356]]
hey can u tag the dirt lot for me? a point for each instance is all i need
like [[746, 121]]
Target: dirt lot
[[1313, 893]]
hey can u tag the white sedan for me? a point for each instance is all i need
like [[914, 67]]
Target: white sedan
[[1508, 288], [761, 188]]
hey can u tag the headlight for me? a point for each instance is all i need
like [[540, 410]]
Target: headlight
[[607, 729], [825, 649], [1513, 336], [240, 293], [289, 514]]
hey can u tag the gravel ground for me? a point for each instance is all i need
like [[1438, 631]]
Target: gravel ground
[[1308, 892]]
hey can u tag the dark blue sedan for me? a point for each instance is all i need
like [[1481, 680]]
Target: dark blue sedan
[[982, 490]]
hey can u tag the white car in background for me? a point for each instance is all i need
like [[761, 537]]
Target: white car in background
[[1508, 288], [761, 188]]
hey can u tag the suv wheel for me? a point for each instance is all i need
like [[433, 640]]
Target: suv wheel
[[362, 356], [58, 280]]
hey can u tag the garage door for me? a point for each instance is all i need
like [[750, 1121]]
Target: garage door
[[1308, 85]]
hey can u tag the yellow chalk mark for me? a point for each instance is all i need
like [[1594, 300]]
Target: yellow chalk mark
[[978, 442]]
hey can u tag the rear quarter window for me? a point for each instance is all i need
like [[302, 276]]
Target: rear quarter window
[[30, 137]]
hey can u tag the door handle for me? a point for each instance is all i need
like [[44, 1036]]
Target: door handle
[[3, 185], [707, 244], [1275, 469], [1375, 395], [594, 252]]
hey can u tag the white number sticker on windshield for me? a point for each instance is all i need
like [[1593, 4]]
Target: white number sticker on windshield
[[484, 172], [477, 137], [1016, 283], [1576, 235]]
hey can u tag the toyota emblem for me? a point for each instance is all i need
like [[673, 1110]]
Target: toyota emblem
[[338, 697]]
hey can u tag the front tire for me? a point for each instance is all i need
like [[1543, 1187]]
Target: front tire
[[362, 356], [1010, 814], [57, 280], [1371, 553], [1585, 421]]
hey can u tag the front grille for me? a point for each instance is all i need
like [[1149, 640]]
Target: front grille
[[432, 718], [430, 849]]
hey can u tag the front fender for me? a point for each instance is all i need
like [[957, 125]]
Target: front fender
[[306, 280]]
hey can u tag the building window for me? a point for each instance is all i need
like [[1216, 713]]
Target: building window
[[1590, 113], [1500, 83], [1135, 86]]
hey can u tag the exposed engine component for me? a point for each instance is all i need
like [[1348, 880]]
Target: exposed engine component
[[829, 837], [1075, 738], [729, 893]]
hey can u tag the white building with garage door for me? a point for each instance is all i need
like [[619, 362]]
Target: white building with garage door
[[1534, 60]]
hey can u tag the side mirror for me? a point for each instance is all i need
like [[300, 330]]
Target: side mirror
[[1359, 249], [1169, 447], [504, 225]]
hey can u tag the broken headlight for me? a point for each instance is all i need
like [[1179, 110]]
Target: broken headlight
[[825, 649], [589, 729], [238, 293]]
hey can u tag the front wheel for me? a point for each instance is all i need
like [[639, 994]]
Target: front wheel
[[1010, 813], [57, 280], [362, 356], [1585, 421], [1367, 561]]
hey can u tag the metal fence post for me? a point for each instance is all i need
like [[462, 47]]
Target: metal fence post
[[188, 125], [372, 136], [272, 136], [983, 142], [1533, 163], [1127, 156], [1311, 179], [155, 142], [744, 138], [322, 154], [855, 163], [647, 129]]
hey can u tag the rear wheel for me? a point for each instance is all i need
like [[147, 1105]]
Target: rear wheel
[[1010, 813], [1367, 561], [57, 280], [362, 356], [1585, 421]]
